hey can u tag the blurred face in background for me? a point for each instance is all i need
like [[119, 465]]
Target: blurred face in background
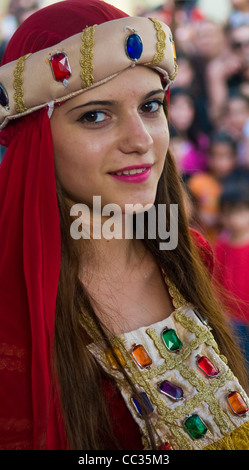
[[235, 219], [239, 41], [222, 159], [182, 113], [237, 114], [210, 40], [241, 5]]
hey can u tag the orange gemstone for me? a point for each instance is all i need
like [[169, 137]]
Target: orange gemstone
[[141, 356], [174, 50], [113, 362], [237, 403]]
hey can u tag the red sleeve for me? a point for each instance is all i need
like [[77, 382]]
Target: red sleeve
[[205, 249]]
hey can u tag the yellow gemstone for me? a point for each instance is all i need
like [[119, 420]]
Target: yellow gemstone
[[112, 360]]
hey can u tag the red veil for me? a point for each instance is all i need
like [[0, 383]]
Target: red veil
[[30, 246]]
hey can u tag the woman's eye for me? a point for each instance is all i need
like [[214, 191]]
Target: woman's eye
[[93, 117], [151, 106]]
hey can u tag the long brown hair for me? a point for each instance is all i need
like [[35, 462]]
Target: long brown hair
[[79, 377]]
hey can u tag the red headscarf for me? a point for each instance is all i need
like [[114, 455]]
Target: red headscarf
[[30, 246]]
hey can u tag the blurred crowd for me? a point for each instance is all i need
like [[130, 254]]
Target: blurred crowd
[[209, 127]]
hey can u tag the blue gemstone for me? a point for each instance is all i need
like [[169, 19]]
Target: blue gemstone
[[147, 406], [4, 100], [134, 46]]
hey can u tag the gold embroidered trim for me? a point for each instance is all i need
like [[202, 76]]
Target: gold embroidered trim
[[18, 84], [161, 42], [205, 390], [167, 418], [202, 333], [237, 440], [89, 325], [177, 298], [86, 61], [174, 74]]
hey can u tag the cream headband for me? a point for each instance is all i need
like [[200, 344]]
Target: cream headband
[[84, 61]]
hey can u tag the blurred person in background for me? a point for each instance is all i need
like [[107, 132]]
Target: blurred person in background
[[229, 71], [17, 11], [232, 255], [240, 12], [235, 122], [206, 186], [189, 77], [189, 143]]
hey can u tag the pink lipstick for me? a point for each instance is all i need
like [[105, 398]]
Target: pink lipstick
[[133, 174]]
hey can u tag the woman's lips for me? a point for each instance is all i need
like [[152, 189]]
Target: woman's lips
[[133, 174]]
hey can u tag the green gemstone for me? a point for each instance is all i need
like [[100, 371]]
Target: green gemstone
[[171, 340], [195, 426]]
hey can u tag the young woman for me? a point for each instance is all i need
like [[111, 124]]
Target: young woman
[[98, 348]]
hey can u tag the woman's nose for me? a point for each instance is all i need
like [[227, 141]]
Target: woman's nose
[[135, 136]]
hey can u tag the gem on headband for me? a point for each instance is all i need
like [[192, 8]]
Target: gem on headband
[[60, 67], [86, 49], [4, 99], [18, 84], [86, 61], [133, 46]]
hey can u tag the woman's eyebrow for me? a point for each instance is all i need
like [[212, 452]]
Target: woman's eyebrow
[[111, 103]]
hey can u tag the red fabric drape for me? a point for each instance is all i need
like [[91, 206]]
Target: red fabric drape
[[30, 246], [29, 269]]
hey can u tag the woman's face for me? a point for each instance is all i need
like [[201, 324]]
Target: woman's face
[[111, 141]]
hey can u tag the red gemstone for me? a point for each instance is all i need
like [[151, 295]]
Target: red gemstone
[[60, 67], [207, 366], [164, 446]]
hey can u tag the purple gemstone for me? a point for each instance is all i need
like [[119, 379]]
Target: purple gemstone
[[171, 390]]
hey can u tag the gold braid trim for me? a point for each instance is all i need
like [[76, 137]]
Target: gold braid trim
[[86, 61], [161, 42], [177, 298], [18, 84], [237, 440], [174, 74]]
